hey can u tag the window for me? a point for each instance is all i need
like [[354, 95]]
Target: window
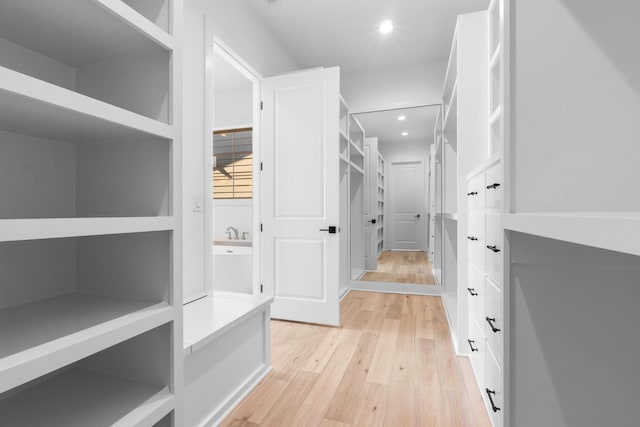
[[233, 164]]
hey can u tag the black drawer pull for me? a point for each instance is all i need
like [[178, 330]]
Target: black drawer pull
[[494, 248], [472, 238], [472, 291], [491, 393], [471, 343], [490, 321], [473, 193], [493, 186]]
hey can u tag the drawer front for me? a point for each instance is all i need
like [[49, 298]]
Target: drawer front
[[494, 319], [493, 248], [475, 243], [476, 350], [475, 291], [475, 192], [493, 187], [493, 391]]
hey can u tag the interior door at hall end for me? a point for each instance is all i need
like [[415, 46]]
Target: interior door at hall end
[[300, 177], [407, 181]]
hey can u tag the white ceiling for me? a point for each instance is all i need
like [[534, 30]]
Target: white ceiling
[[324, 33], [419, 123]]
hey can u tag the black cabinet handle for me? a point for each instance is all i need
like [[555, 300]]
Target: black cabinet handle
[[491, 393], [494, 248], [473, 193], [493, 186], [473, 239], [472, 291], [490, 321], [471, 343]]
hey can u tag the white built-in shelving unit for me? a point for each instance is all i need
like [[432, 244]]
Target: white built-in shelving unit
[[90, 242], [380, 204], [463, 139], [345, 273], [356, 198]]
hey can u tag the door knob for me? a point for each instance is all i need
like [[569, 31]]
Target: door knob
[[331, 230], [417, 215]]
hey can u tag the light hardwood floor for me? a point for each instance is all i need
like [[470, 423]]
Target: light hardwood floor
[[402, 267], [392, 364]]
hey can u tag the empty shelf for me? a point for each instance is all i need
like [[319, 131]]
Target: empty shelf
[[35, 107], [80, 398], [43, 336]]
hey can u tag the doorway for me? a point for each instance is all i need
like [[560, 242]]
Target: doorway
[[233, 185]]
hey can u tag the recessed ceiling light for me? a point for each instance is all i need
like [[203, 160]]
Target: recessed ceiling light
[[401, 118], [405, 133], [386, 26]]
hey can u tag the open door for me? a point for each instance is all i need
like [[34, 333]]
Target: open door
[[300, 215]]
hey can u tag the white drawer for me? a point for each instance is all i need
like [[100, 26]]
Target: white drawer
[[475, 291], [475, 192], [493, 187], [494, 319], [476, 351], [493, 388], [475, 236], [493, 248]]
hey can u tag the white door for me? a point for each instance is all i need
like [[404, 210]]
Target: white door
[[301, 195], [371, 203], [407, 200]]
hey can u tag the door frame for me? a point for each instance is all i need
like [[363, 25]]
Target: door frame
[[214, 45]]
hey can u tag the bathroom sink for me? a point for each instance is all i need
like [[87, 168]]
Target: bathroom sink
[[229, 242]]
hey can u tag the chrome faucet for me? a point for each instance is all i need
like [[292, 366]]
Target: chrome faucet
[[235, 231], [244, 235]]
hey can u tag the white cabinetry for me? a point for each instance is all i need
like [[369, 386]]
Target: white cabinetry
[[90, 242], [461, 145]]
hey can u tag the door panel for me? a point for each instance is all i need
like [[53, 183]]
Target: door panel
[[301, 195], [407, 200]]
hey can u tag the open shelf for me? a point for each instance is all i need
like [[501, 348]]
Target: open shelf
[[30, 229], [42, 336], [357, 168], [34, 107], [79, 397], [356, 150], [615, 231]]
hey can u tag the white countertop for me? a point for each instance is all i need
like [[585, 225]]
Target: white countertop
[[211, 316]]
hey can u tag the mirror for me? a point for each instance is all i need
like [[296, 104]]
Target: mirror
[[233, 204], [394, 229]]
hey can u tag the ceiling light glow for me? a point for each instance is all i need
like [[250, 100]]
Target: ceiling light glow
[[405, 133], [386, 26], [401, 118]]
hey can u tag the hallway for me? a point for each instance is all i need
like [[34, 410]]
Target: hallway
[[390, 364], [402, 267]]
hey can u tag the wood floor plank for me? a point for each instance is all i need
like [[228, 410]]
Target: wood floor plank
[[372, 406], [332, 423], [317, 400], [344, 404], [400, 407], [428, 395], [282, 413], [260, 401], [406, 333], [382, 362], [402, 267]]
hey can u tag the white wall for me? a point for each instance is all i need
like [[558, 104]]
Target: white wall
[[236, 25], [233, 109], [394, 87], [232, 213]]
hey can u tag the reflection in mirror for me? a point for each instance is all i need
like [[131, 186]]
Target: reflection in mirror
[[394, 234], [232, 179]]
